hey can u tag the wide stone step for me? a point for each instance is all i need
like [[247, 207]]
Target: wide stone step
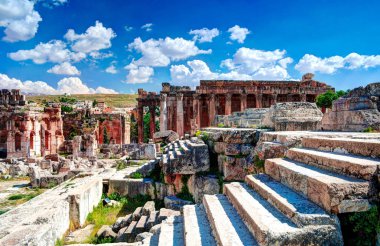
[[364, 147], [354, 166], [171, 232], [266, 223], [334, 192], [296, 207], [196, 226], [227, 226]]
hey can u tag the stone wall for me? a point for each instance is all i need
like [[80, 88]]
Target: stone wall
[[356, 111], [293, 116], [140, 151], [233, 147]]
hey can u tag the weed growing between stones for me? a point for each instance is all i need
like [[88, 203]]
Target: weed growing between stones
[[185, 193], [202, 135], [107, 215], [136, 175], [360, 228], [156, 174], [120, 164], [259, 164]]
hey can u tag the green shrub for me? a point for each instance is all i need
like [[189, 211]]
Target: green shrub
[[136, 175], [120, 164], [259, 164], [368, 129], [221, 125], [185, 193], [360, 228]]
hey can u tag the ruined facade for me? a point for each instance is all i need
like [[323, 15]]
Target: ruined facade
[[184, 110], [26, 131]]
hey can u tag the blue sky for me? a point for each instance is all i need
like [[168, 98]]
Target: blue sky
[[108, 50]]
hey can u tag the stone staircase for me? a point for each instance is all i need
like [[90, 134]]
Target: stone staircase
[[185, 157], [295, 202]]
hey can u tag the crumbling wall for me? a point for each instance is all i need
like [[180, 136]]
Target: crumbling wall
[[357, 111]]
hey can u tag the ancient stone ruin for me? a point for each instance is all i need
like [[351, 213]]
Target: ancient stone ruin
[[356, 111], [264, 166]]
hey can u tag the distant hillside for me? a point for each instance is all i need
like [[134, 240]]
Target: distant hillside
[[112, 100]]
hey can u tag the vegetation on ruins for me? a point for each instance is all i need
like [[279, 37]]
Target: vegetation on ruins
[[146, 120], [361, 228], [133, 130], [202, 135], [259, 164], [185, 193], [136, 175], [107, 215], [120, 164], [105, 136], [66, 109], [325, 100]]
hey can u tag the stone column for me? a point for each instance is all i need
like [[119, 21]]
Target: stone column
[[152, 122], [180, 123], [243, 102], [196, 110], [289, 98], [274, 98], [140, 124], [259, 100], [227, 111], [163, 113], [211, 109], [303, 97]]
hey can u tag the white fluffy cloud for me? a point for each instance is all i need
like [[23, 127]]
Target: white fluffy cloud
[[197, 70], [259, 64], [160, 52], [64, 68], [147, 27], [111, 69], [138, 74], [95, 38], [329, 65], [19, 19], [238, 33], [38, 87], [72, 85], [204, 34], [91, 42], [54, 51]]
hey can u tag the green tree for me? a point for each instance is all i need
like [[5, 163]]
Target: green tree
[[66, 109], [94, 103], [105, 136], [134, 130], [325, 100]]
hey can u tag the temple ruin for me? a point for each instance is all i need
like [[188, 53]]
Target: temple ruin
[[184, 110], [28, 131]]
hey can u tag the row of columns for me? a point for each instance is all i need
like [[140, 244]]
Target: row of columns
[[196, 111]]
